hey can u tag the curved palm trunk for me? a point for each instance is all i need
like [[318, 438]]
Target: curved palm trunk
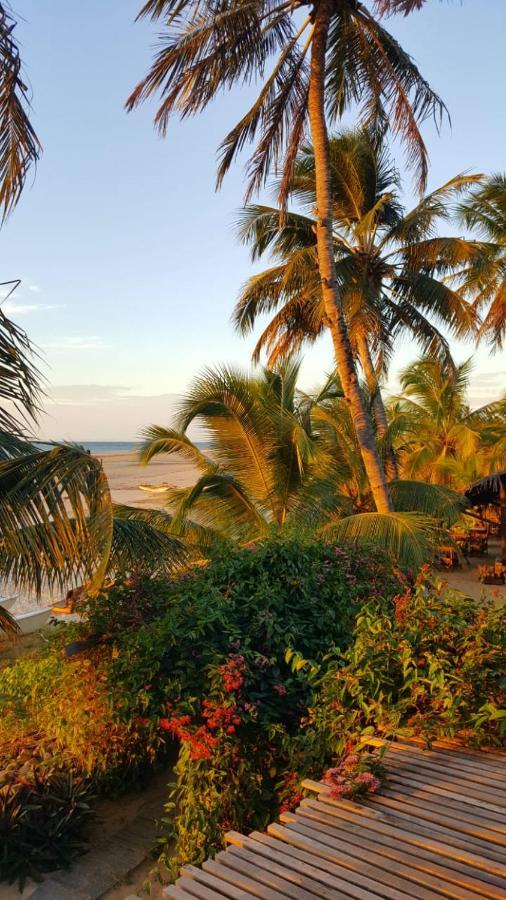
[[378, 406], [333, 309]]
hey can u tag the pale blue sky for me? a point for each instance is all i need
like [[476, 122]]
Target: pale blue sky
[[129, 263]]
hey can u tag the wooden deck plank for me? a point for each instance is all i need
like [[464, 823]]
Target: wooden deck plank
[[413, 877], [239, 861], [436, 829], [396, 808], [322, 875], [301, 887], [210, 880], [338, 852], [366, 886], [485, 755], [486, 809], [456, 852], [426, 859], [445, 762], [427, 807], [242, 882], [422, 763], [193, 888]]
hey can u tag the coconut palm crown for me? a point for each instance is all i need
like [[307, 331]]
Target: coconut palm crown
[[392, 268], [440, 438], [485, 212]]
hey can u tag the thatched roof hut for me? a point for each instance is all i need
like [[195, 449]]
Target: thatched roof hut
[[491, 491]]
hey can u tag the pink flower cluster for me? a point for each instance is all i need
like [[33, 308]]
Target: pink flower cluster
[[347, 780]]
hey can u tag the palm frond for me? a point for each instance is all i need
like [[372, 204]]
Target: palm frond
[[19, 145], [20, 380], [435, 500], [143, 542], [159, 439], [408, 537], [55, 519]]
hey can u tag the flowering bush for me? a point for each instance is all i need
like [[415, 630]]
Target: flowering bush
[[261, 669], [226, 664]]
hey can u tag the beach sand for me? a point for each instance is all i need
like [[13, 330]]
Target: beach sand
[[125, 474]]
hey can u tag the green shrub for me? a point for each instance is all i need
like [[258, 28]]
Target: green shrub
[[43, 813], [227, 664], [435, 667]]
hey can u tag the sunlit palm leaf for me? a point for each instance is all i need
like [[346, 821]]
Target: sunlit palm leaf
[[409, 538], [439, 502], [19, 145], [157, 439], [20, 380], [55, 519]]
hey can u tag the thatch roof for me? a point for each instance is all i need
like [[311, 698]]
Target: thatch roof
[[486, 490]]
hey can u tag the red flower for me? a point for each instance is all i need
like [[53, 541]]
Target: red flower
[[232, 672], [280, 689]]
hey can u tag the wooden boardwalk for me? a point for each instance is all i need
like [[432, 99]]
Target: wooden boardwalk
[[437, 828]]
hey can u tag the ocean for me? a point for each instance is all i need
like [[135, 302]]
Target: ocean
[[97, 448]]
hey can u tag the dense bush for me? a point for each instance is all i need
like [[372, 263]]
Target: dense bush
[[436, 667], [266, 666], [60, 743], [226, 663]]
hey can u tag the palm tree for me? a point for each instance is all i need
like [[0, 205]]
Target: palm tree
[[261, 457], [439, 438], [485, 211], [279, 459], [392, 270], [337, 55], [19, 145]]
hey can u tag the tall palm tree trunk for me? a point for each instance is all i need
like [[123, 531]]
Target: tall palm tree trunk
[[380, 415], [331, 299]]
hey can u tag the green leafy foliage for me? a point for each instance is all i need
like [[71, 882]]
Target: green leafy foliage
[[434, 668], [265, 666]]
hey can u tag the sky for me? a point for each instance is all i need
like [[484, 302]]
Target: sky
[[129, 262]]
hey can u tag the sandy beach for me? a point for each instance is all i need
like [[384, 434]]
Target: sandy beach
[[125, 474]]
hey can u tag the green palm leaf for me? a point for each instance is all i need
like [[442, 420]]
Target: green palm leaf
[[443, 504], [410, 538]]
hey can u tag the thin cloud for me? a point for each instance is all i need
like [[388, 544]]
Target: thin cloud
[[77, 342], [35, 288], [13, 308]]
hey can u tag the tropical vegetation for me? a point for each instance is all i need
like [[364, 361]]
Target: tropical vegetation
[[393, 268], [255, 671], [277, 459], [336, 56], [439, 438], [253, 630]]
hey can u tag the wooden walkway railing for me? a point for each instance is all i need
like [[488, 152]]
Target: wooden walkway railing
[[437, 828]]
